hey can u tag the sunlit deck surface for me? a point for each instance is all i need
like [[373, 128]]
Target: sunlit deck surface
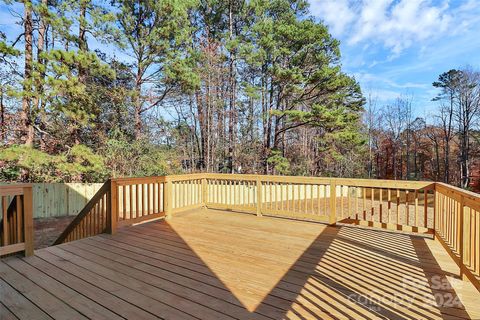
[[221, 265]]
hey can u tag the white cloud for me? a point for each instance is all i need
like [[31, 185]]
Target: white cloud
[[396, 25], [336, 13], [371, 79]]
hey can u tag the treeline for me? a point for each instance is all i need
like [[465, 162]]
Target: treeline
[[444, 146], [131, 88], [227, 86]]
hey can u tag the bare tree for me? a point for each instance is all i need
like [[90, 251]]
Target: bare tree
[[466, 114], [396, 117], [448, 97], [372, 120]]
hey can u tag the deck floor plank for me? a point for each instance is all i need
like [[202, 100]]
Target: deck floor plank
[[76, 300], [18, 304], [283, 297], [6, 314], [51, 305], [171, 284], [207, 264], [159, 294], [178, 270], [154, 307], [107, 299]]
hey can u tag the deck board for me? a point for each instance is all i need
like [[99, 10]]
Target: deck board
[[82, 304], [224, 265], [53, 306]]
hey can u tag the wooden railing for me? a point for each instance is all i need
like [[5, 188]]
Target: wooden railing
[[126, 201], [457, 227], [16, 220], [187, 192], [397, 205], [93, 219], [137, 199], [449, 213]]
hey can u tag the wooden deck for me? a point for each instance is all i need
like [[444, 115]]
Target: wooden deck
[[223, 265]]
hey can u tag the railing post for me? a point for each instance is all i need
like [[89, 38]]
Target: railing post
[[204, 193], [112, 209], [460, 237], [333, 203], [259, 198], [435, 210], [28, 220], [168, 191]]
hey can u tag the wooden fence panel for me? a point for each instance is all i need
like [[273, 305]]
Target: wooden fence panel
[[61, 199]]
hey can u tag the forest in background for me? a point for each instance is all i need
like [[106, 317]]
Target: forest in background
[[91, 90]]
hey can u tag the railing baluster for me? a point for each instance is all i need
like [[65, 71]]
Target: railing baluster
[[333, 203], [372, 202], [259, 198], [380, 206], [425, 208], [415, 222], [5, 241]]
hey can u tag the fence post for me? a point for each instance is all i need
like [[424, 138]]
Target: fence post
[[28, 219], [333, 203], [204, 193], [259, 198], [112, 209], [168, 199]]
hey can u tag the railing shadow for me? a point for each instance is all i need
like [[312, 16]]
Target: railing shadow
[[353, 273]]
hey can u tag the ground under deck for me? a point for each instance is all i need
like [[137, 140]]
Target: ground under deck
[[222, 265]]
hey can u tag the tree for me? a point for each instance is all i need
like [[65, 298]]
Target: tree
[[396, 117], [155, 33], [466, 114], [223, 86], [301, 79], [372, 120], [447, 83]]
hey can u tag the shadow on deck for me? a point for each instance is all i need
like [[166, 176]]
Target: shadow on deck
[[222, 265]]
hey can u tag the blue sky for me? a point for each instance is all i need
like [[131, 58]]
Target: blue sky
[[400, 47]]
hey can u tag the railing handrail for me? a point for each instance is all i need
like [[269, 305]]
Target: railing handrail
[[14, 189], [470, 197], [387, 184]]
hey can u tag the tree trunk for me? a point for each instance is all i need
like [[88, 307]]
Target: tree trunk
[[437, 160], [268, 130], [2, 118], [232, 103], [38, 98], [138, 104], [82, 41], [25, 115]]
